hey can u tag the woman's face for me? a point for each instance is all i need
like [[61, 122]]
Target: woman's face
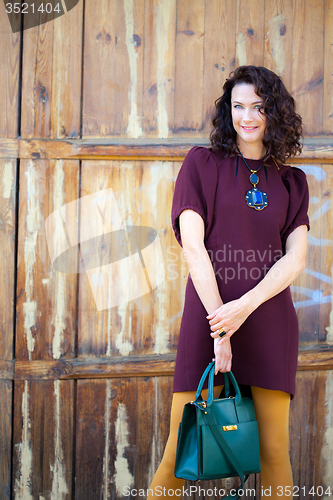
[[247, 120]]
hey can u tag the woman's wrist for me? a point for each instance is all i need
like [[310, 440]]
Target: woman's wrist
[[252, 300]]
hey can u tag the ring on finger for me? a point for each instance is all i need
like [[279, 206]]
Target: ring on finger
[[221, 331]]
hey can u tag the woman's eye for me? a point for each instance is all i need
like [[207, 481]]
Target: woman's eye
[[237, 106]]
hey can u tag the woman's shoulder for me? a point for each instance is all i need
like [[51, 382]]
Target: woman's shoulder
[[289, 173], [293, 178], [198, 153], [206, 156], [199, 166]]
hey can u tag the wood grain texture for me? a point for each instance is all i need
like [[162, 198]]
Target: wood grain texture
[[328, 79], [45, 298], [279, 38], [90, 446], [320, 149], [159, 68], [6, 394], [307, 286], [8, 186], [66, 74], [52, 78], [324, 445], [9, 74], [152, 428], [303, 425], [189, 68], [310, 357], [43, 439], [176, 275], [106, 72], [219, 48], [122, 63], [9, 148], [106, 437], [93, 368], [140, 323], [113, 66], [37, 81], [7, 370], [325, 211], [250, 22], [122, 428], [315, 357], [307, 79]]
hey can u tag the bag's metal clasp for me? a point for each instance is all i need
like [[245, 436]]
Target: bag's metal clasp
[[203, 404], [229, 427]]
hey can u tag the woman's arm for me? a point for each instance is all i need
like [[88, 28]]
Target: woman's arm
[[280, 276], [192, 231]]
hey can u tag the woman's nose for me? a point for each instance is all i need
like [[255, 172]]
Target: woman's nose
[[247, 116]]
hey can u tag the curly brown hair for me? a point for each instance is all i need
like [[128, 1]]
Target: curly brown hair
[[284, 125]]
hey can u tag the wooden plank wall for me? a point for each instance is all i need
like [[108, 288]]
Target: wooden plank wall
[[109, 98]]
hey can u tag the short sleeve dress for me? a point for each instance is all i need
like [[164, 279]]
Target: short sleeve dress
[[243, 243]]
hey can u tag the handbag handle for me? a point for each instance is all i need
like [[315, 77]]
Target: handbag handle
[[238, 396], [203, 378], [210, 371]]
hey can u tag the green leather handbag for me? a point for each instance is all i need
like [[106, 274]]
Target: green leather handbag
[[218, 438]]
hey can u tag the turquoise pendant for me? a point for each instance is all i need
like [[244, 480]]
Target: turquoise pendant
[[256, 199]]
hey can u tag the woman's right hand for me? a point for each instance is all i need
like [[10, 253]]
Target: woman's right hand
[[223, 356]]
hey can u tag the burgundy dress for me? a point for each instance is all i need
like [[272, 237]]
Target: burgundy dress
[[243, 243]]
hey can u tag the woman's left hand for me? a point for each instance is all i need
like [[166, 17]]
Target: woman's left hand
[[230, 317]]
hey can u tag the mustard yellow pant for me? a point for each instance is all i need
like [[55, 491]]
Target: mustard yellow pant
[[272, 413]]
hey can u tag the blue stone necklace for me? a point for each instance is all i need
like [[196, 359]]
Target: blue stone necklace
[[254, 197]]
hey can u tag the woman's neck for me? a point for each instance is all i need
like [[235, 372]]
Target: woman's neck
[[252, 151]]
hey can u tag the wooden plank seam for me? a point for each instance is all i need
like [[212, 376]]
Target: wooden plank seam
[[309, 358], [142, 149]]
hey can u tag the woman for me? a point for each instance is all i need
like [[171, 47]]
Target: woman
[[241, 216]]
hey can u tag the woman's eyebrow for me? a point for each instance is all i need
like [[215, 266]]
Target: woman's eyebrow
[[255, 102]]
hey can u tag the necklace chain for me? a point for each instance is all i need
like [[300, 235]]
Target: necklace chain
[[254, 197], [252, 171]]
